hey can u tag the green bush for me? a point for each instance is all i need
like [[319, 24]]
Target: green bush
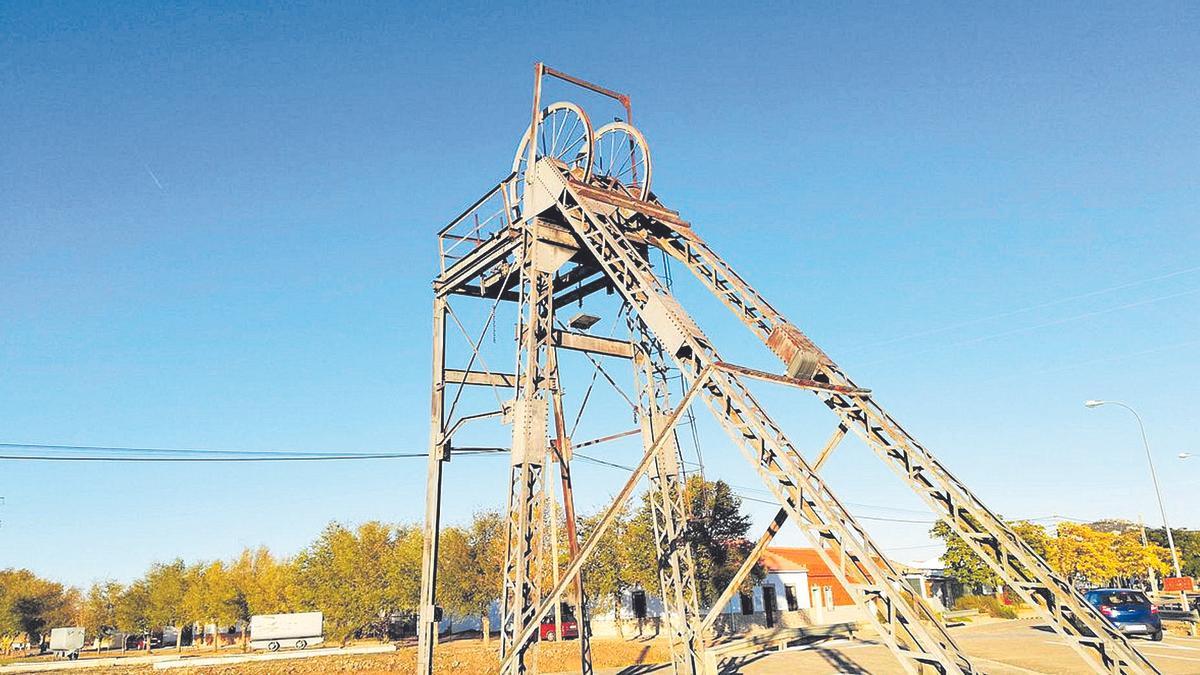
[[986, 604]]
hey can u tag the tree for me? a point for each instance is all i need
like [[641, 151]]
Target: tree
[[209, 596], [604, 580], [100, 608], [961, 562], [30, 605], [641, 567], [133, 608], [166, 585], [471, 560], [717, 531], [1082, 554], [261, 584], [1034, 535], [358, 578]]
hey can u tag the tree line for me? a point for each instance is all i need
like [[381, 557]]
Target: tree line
[[362, 577], [1106, 552]]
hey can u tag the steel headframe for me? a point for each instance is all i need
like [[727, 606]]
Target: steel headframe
[[515, 252]]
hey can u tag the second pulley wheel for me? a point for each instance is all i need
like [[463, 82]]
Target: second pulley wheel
[[620, 155]]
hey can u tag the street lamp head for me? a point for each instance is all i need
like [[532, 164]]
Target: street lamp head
[[1093, 403]]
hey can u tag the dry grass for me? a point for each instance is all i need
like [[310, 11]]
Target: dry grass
[[460, 657]]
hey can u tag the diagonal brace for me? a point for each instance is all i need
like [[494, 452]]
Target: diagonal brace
[[765, 540], [555, 595]]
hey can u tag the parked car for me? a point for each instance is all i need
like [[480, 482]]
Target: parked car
[[1129, 610], [138, 642], [570, 629]]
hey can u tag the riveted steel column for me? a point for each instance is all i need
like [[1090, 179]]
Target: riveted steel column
[[429, 613]]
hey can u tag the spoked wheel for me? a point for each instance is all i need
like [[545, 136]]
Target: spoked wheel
[[621, 156], [565, 134]]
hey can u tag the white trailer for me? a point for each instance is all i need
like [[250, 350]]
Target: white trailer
[[275, 631], [66, 642]]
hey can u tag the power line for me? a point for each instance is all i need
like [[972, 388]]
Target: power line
[[77, 458], [107, 448], [602, 462], [207, 455]]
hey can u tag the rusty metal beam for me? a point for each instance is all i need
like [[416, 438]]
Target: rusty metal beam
[[1101, 645], [581, 292], [472, 291], [428, 611], [475, 377], [612, 198], [790, 381], [593, 344]]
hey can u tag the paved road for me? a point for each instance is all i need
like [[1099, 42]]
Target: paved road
[[1004, 648]]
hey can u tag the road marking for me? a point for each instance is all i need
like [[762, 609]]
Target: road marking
[[1189, 659], [1163, 645], [1156, 655], [1001, 664]]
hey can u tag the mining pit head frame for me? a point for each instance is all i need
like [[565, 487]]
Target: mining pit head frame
[[576, 217]]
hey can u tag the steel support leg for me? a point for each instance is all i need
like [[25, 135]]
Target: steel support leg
[[429, 614], [539, 261], [562, 455], [676, 567]]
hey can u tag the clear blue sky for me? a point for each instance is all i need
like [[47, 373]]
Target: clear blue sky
[[216, 231]]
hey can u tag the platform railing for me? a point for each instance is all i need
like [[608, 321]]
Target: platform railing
[[491, 213]]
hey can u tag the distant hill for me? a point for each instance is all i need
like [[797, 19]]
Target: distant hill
[[1115, 525]]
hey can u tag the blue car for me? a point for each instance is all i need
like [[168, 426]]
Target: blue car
[[1129, 610]]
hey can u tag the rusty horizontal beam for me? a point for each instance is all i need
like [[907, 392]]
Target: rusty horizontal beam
[[591, 86], [623, 201], [472, 291], [576, 275], [476, 377], [581, 292], [595, 344]]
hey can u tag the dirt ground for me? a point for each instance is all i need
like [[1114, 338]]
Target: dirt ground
[[460, 657], [1020, 647]]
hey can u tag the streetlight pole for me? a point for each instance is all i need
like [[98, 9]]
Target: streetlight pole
[[1153, 476]]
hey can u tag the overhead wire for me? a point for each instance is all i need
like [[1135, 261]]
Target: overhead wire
[[128, 454]]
